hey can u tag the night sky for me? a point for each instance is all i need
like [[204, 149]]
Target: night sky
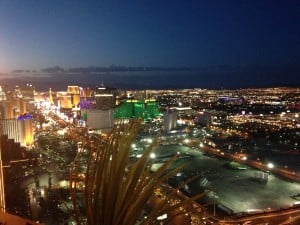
[[223, 44]]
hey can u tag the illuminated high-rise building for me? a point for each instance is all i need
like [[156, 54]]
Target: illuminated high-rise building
[[2, 94], [146, 109], [27, 92], [50, 96], [74, 93], [99, 119], [2, 191], [20, 130], [64, 100], [70, 99], [105, 98], [87, 92], [15, 105], [170, 119]]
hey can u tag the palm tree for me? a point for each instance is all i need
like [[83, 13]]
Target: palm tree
[[117, 190]]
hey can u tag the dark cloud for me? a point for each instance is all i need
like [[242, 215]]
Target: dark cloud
[[55, 69]]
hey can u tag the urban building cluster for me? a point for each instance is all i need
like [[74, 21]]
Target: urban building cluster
[[228, 124]]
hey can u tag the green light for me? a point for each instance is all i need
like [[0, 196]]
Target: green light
[[146, 110]]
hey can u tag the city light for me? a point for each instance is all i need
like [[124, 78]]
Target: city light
[[178, 113], [217, 139], [152, 156], [162, 217], [270, 165]]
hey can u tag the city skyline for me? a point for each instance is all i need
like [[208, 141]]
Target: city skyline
[[233, 141]]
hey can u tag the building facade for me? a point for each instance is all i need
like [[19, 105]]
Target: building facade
[[20, 130]]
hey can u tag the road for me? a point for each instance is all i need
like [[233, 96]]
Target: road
[[286, 216], [255, 164], [289, 216]]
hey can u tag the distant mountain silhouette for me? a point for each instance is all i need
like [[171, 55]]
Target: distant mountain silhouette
[[212, 77]]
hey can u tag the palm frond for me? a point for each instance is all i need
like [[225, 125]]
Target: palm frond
[[117, 190]]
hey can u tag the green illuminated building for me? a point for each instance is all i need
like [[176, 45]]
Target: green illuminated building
[[146, 109]]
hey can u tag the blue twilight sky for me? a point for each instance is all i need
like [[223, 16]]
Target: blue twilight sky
[[38, 34]]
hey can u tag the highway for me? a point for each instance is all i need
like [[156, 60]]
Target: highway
[[285, 216], [255, 164], [289, 216]]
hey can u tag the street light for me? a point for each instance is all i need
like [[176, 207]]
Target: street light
[[152, 156], [270, 165], [149, 140]]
